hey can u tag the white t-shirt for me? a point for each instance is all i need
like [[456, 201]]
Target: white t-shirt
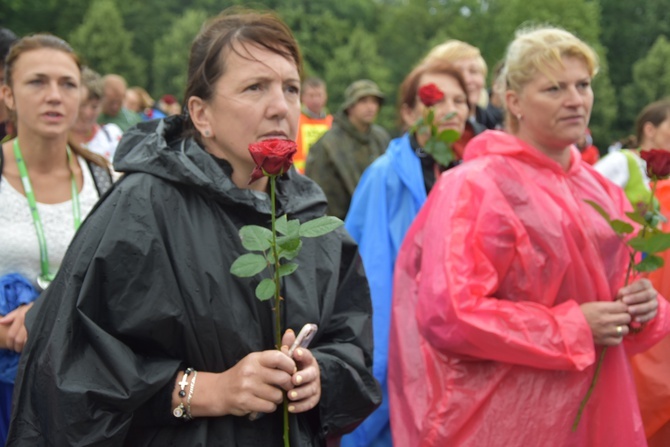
[[105, 140], [19, 249]]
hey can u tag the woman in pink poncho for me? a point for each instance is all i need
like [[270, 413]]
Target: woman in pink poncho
[[508, 284]]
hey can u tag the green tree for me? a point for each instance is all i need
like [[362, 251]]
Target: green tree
[[405, 34], [28, 16], [629, 29], [171, 53], [581, 17], [317, 34], [604, 114], [651, 81], [105, 45], [151, 20]]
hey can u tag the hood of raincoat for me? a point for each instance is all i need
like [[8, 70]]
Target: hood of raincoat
[[158, 148], [145, 290]]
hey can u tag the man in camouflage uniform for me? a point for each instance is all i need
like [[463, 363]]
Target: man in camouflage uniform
[[337, 161]]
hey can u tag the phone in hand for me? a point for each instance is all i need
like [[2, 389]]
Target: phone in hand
[[303, 339]]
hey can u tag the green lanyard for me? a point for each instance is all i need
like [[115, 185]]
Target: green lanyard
[[46, 277]]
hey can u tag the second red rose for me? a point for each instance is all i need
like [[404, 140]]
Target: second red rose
[[658, 163], [430, 95]]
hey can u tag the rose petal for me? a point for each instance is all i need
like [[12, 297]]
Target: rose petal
[[272, 157], [430, 94]]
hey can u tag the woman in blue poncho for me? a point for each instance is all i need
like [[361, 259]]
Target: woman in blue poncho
[[388, 197]]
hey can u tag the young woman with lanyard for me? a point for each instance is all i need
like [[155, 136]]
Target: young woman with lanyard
[[46, 189]]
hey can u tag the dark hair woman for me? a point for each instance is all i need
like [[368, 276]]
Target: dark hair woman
[[147, 303], [388, 197]]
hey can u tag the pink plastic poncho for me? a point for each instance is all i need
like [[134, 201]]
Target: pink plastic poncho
[[488, 344]]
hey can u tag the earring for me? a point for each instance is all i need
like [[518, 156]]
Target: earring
[[207, 133], [519, 117]]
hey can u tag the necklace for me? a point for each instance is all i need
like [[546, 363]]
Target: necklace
[[45, 278]]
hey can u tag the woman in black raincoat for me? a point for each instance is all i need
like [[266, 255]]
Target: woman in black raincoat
[[144, 297]]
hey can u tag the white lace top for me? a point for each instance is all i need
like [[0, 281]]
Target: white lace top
[[19, 249]]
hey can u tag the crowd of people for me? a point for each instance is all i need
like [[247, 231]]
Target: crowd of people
[[463, 303]]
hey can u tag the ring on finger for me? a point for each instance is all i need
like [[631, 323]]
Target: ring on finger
[[619, 331]]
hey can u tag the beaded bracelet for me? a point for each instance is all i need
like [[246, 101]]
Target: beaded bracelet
[[180, 411]]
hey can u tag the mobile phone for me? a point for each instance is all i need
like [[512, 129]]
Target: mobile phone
[[303, 339]]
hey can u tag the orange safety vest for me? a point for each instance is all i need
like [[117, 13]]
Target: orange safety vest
[[309, 131]]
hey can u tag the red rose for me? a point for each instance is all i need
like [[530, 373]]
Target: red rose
[[658, 163], [430, 95], [272, 157]]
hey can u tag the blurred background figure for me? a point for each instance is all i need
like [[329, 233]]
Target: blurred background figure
[[139, 101], [625, 167], [7, 38], [590, 153], [388, 197], [337, 160], [100, 139], [314, 119], [470, 62], [114, 93], [169, 105]]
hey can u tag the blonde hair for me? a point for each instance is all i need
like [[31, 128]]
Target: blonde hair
[[537, 50], [456, 50]]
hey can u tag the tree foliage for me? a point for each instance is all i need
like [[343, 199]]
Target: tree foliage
[[396, 34], [629, 29], [358, 59], [171, 53], [604, 113], [105, 45], [651, 80], [319, 36]]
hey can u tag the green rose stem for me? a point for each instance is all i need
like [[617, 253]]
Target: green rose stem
[[631, 262], [277, 156], [650, 205], [277, 303], [582, 405]]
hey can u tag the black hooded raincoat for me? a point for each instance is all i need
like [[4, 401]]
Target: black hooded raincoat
[[145, 291]]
